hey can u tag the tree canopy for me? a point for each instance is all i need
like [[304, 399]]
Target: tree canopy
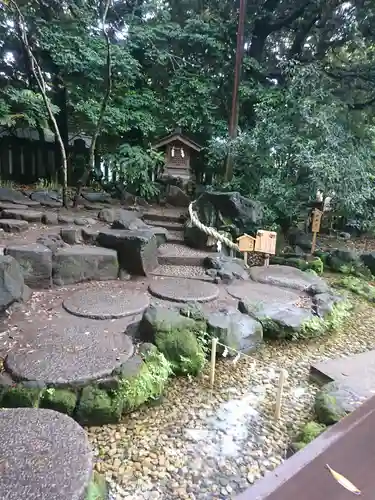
[[307, 93]]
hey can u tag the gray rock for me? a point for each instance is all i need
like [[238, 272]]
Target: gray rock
[[12, 285], [226, 268], [95, 197], [90, 234], [35, 261], [194, 237], [155, 317], [14, 196], [65, 219], [368, 260], [84, 263], [289, 277], [45, 455], [324, 303], [84, 221], [345, 236], [27, 215], [50, 219], [109, 215], [71, 235], [236, 330], [176, 197], [334, 402], [14, 225], [137, 250], [52, 241], [50, 199], [299, 239], [128, 220]]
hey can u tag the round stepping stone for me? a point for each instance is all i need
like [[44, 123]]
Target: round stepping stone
[[261, 293], [288, 277], [184, 290], [72, 352], [44, 455], [106, 303]]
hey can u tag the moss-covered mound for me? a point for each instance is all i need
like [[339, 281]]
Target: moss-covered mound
[[140, 379], [307, 263], [308, 433], [359, 286]]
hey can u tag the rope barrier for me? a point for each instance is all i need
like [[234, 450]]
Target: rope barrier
[[210, 231]]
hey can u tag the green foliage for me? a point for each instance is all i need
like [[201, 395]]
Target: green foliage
[[134, 167], [358, 286], [62, 400], [19, 397], [317, 327], [97, 489], [308, 433], [149, 384]]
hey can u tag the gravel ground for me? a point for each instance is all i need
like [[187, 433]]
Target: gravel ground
[[211, 444]]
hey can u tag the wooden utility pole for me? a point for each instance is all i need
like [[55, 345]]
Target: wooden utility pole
[[233, 123]]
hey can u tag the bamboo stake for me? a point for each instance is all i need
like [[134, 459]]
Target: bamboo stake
[[245, 258], [279, 396], [213, 360]]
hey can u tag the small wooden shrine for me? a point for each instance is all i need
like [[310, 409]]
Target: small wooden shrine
[[178, 153]]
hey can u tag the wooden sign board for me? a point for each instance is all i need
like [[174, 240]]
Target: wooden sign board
[[246, 243], [316, 220], [266, 242]]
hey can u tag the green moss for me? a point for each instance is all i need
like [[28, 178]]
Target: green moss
[[308, 433], [97, 489], [98, 407], [327, 409], [358, 286], [62, 400], [148, 384], [20, 397], [314, 264], [317, 265], [182, 349]]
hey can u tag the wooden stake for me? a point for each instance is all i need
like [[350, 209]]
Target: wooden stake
[[313, 243], [266, 260], [279, 395], [245, 258], [213, 360]]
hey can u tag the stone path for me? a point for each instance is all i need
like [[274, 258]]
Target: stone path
[[183, 290], [110, 303], [44, 455], [355, 372], [69, 351]]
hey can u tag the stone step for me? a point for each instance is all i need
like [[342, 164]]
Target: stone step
[[180, 255], [164, 217], [173, 271], [171, 226], [175, 237], [44, 455], [13, 225]]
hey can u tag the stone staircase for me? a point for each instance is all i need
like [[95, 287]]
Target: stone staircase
[[175, 258]]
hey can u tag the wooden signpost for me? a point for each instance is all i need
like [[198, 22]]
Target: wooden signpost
[[265, 242], [315, 227]]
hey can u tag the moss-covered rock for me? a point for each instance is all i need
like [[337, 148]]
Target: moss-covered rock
[[62, 400], [308, 433], [331, 403], [20, 396], [181, 347], [148, 384], [179, 337], [98, 407], [97, 489]]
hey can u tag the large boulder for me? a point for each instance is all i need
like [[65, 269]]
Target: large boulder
[[84, 263], [226, 268], [238, 331], [137, 250], [368, 260], [299, 239], [96, 197], [36, 263], [109, 215], [229, 211], [176, 197], [128, 220], [12, 285]]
